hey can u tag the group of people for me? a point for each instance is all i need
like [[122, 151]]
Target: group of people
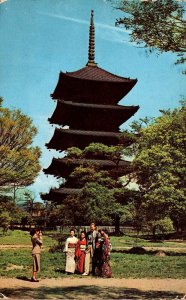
[[92, 246]]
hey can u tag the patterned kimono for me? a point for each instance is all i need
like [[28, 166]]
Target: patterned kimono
[[105, 268], [98, 255], [70, 247], [80, 254]]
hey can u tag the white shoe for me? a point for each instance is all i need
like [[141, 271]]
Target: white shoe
[[85, 274]]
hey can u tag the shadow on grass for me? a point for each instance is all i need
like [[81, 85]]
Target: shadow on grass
[[86, 292], [141, 250]]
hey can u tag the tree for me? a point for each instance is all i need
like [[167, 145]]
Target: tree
[[5, 220], [10, 214], [160, 169], [156, 24], [101, 191], [19, 160]]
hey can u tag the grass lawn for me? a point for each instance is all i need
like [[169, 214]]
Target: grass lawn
[[18, 237], [18, 262], [128, 241]]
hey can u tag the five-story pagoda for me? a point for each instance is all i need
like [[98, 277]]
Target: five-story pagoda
[[87, 103]]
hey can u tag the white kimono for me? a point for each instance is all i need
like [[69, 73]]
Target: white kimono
[[70, 248]]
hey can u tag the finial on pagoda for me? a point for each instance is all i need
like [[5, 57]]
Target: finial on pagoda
[[91, 49]]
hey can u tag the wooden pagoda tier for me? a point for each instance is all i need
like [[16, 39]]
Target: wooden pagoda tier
[[63, 167], [92, 84], [58, 195], [66, 138], [87, 102], [82, 115]]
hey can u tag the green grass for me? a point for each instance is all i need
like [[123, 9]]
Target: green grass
[[18, 262], [52, 264], [18, 237], [128, 241], [123, 265], [148, 266]]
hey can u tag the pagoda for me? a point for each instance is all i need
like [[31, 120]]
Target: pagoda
[[87, 104]]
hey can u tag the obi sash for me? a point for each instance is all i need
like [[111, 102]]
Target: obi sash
[[71, 245], [82, 247]]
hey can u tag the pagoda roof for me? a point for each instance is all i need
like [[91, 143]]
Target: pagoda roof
[[58, 195], [82, 115], [98, 74], [85, 85], [91, 83], [66, 138], [62, 167]]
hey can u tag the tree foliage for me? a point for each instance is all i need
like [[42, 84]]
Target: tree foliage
[[160, 168], [102, 194], [19, 160], [10, 213], [155, 24]]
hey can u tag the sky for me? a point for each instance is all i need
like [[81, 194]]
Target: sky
[[40, 38]]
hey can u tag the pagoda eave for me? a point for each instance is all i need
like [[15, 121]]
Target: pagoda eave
[[82, 116], [104, 91], [58, 195], [66, 138], [63, 167]]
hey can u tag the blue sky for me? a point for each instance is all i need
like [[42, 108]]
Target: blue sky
[[39, 38]]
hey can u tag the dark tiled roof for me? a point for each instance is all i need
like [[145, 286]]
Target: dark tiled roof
[[62, 167], [66, 138], [96, 73], [66, 191], [59, 194], [85, 161], [99, 106]]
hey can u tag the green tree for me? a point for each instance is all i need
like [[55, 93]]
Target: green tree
[[155, 24], [5, 220], [10, 214], [160, 169], [102, 197], [19, 160]]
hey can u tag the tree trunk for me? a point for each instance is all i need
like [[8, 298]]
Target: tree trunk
[[154, 232], [117, 224]]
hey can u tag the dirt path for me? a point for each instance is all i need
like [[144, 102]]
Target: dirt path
[[94, 288]]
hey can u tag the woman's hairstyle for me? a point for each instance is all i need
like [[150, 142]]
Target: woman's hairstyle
[[34, 230], [105, 231], [83, 232]]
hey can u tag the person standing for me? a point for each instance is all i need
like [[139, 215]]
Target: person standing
[[89, 252], [105, 256], [36, 239], [98, 253], [80, 253], [70, 247]]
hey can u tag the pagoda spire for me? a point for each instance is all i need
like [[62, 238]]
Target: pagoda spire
[[91, 50]]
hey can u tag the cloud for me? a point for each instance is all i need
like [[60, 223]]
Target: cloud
[[80, 21], [1, 1], [105, 31]]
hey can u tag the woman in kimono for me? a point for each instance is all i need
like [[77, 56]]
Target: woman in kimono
[[105, 256], [70, 248], [98, 253], [80, 253]]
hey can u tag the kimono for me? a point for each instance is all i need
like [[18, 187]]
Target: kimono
[[98, 255], [80, 255], [105, 267], [70, 248]]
